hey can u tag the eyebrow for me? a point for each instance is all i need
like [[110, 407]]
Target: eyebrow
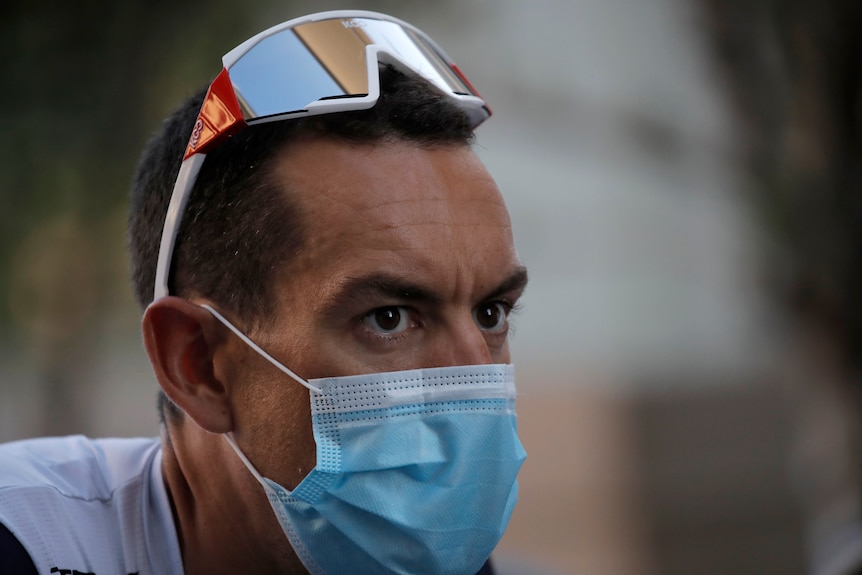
[[361, 289], [516, 281]]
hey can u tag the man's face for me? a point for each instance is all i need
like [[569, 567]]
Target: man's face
[[409, 262]]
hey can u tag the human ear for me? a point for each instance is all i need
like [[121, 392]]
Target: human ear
[[182, 339]]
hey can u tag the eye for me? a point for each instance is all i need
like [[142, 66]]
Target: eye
[[388, 320], [491, 316]]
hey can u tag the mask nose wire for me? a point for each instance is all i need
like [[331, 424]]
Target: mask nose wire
[[259, 349]]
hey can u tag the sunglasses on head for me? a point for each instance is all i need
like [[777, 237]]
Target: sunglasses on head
[[318, 64]]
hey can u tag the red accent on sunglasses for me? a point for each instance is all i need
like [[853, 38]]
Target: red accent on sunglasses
[[220, 116], [470, 85]]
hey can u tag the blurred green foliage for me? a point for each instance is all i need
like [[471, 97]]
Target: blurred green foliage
[[84, 85]]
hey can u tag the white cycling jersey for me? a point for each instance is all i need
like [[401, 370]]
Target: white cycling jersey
[[87, 506]]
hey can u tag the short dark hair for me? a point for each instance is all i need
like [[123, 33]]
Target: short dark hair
[[239, 224]]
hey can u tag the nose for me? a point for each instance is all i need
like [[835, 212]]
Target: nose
[[460, 343]]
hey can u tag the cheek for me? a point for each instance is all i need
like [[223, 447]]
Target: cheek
[[273, 425], [502, 355]]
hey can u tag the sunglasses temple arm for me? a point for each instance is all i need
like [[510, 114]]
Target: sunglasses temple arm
[[179, 197]]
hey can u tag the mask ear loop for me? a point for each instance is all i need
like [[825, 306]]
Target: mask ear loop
[[248, 465], [259, 349], [248, 341]]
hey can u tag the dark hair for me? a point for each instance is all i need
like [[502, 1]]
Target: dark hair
[[239, 224]]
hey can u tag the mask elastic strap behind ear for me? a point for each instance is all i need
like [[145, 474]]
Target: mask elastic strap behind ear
[[258, 349], [246, 462]]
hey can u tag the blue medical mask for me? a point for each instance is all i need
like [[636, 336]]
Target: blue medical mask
[[416, 470]]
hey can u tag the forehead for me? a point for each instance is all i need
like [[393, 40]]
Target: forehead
[[394, 202], [321, 171], [391, 192]]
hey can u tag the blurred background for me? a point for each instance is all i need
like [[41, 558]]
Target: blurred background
[[684, 180]]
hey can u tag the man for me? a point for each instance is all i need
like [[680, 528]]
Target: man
[[329, 326]]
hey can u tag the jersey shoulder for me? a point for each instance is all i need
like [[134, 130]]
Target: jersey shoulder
[[75, 466]]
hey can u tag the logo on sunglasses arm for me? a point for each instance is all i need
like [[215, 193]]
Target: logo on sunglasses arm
[[353, 23], [196, 134]]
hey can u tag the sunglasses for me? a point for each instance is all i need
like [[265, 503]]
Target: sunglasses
[[318, 64]]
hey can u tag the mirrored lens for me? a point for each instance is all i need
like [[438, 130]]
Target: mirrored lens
[[280, 75], [285, 72], [414, 49]]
